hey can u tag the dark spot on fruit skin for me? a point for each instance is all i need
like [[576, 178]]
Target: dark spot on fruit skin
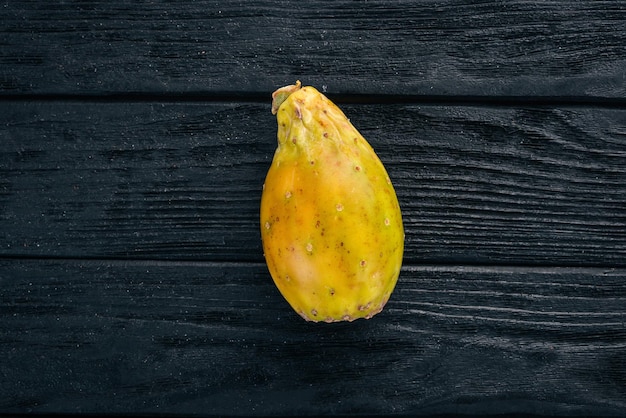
[[364, 307]]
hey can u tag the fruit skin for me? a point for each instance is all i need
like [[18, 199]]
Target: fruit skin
[[331, 224]]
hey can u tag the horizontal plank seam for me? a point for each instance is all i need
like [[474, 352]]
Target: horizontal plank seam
[[251, 263], [374, 99]]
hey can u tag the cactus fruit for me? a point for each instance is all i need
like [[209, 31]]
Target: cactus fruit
[[331, 225]]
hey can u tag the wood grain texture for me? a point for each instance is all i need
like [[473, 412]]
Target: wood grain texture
[[424, 48], [217, 338], [477, 185]]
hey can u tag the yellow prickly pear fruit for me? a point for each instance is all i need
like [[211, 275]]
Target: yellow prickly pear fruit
[[330, 220]]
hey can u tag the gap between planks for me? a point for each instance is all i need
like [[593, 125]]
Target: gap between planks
[[265, 97], [409, 267]]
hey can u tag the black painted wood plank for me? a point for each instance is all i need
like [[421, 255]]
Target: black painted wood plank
[[217, 338], [425, 48], [541, 186]]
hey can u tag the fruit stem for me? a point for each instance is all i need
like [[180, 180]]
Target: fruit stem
[[280, 95]]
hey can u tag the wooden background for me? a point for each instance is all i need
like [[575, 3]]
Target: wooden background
[[134, 141]]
